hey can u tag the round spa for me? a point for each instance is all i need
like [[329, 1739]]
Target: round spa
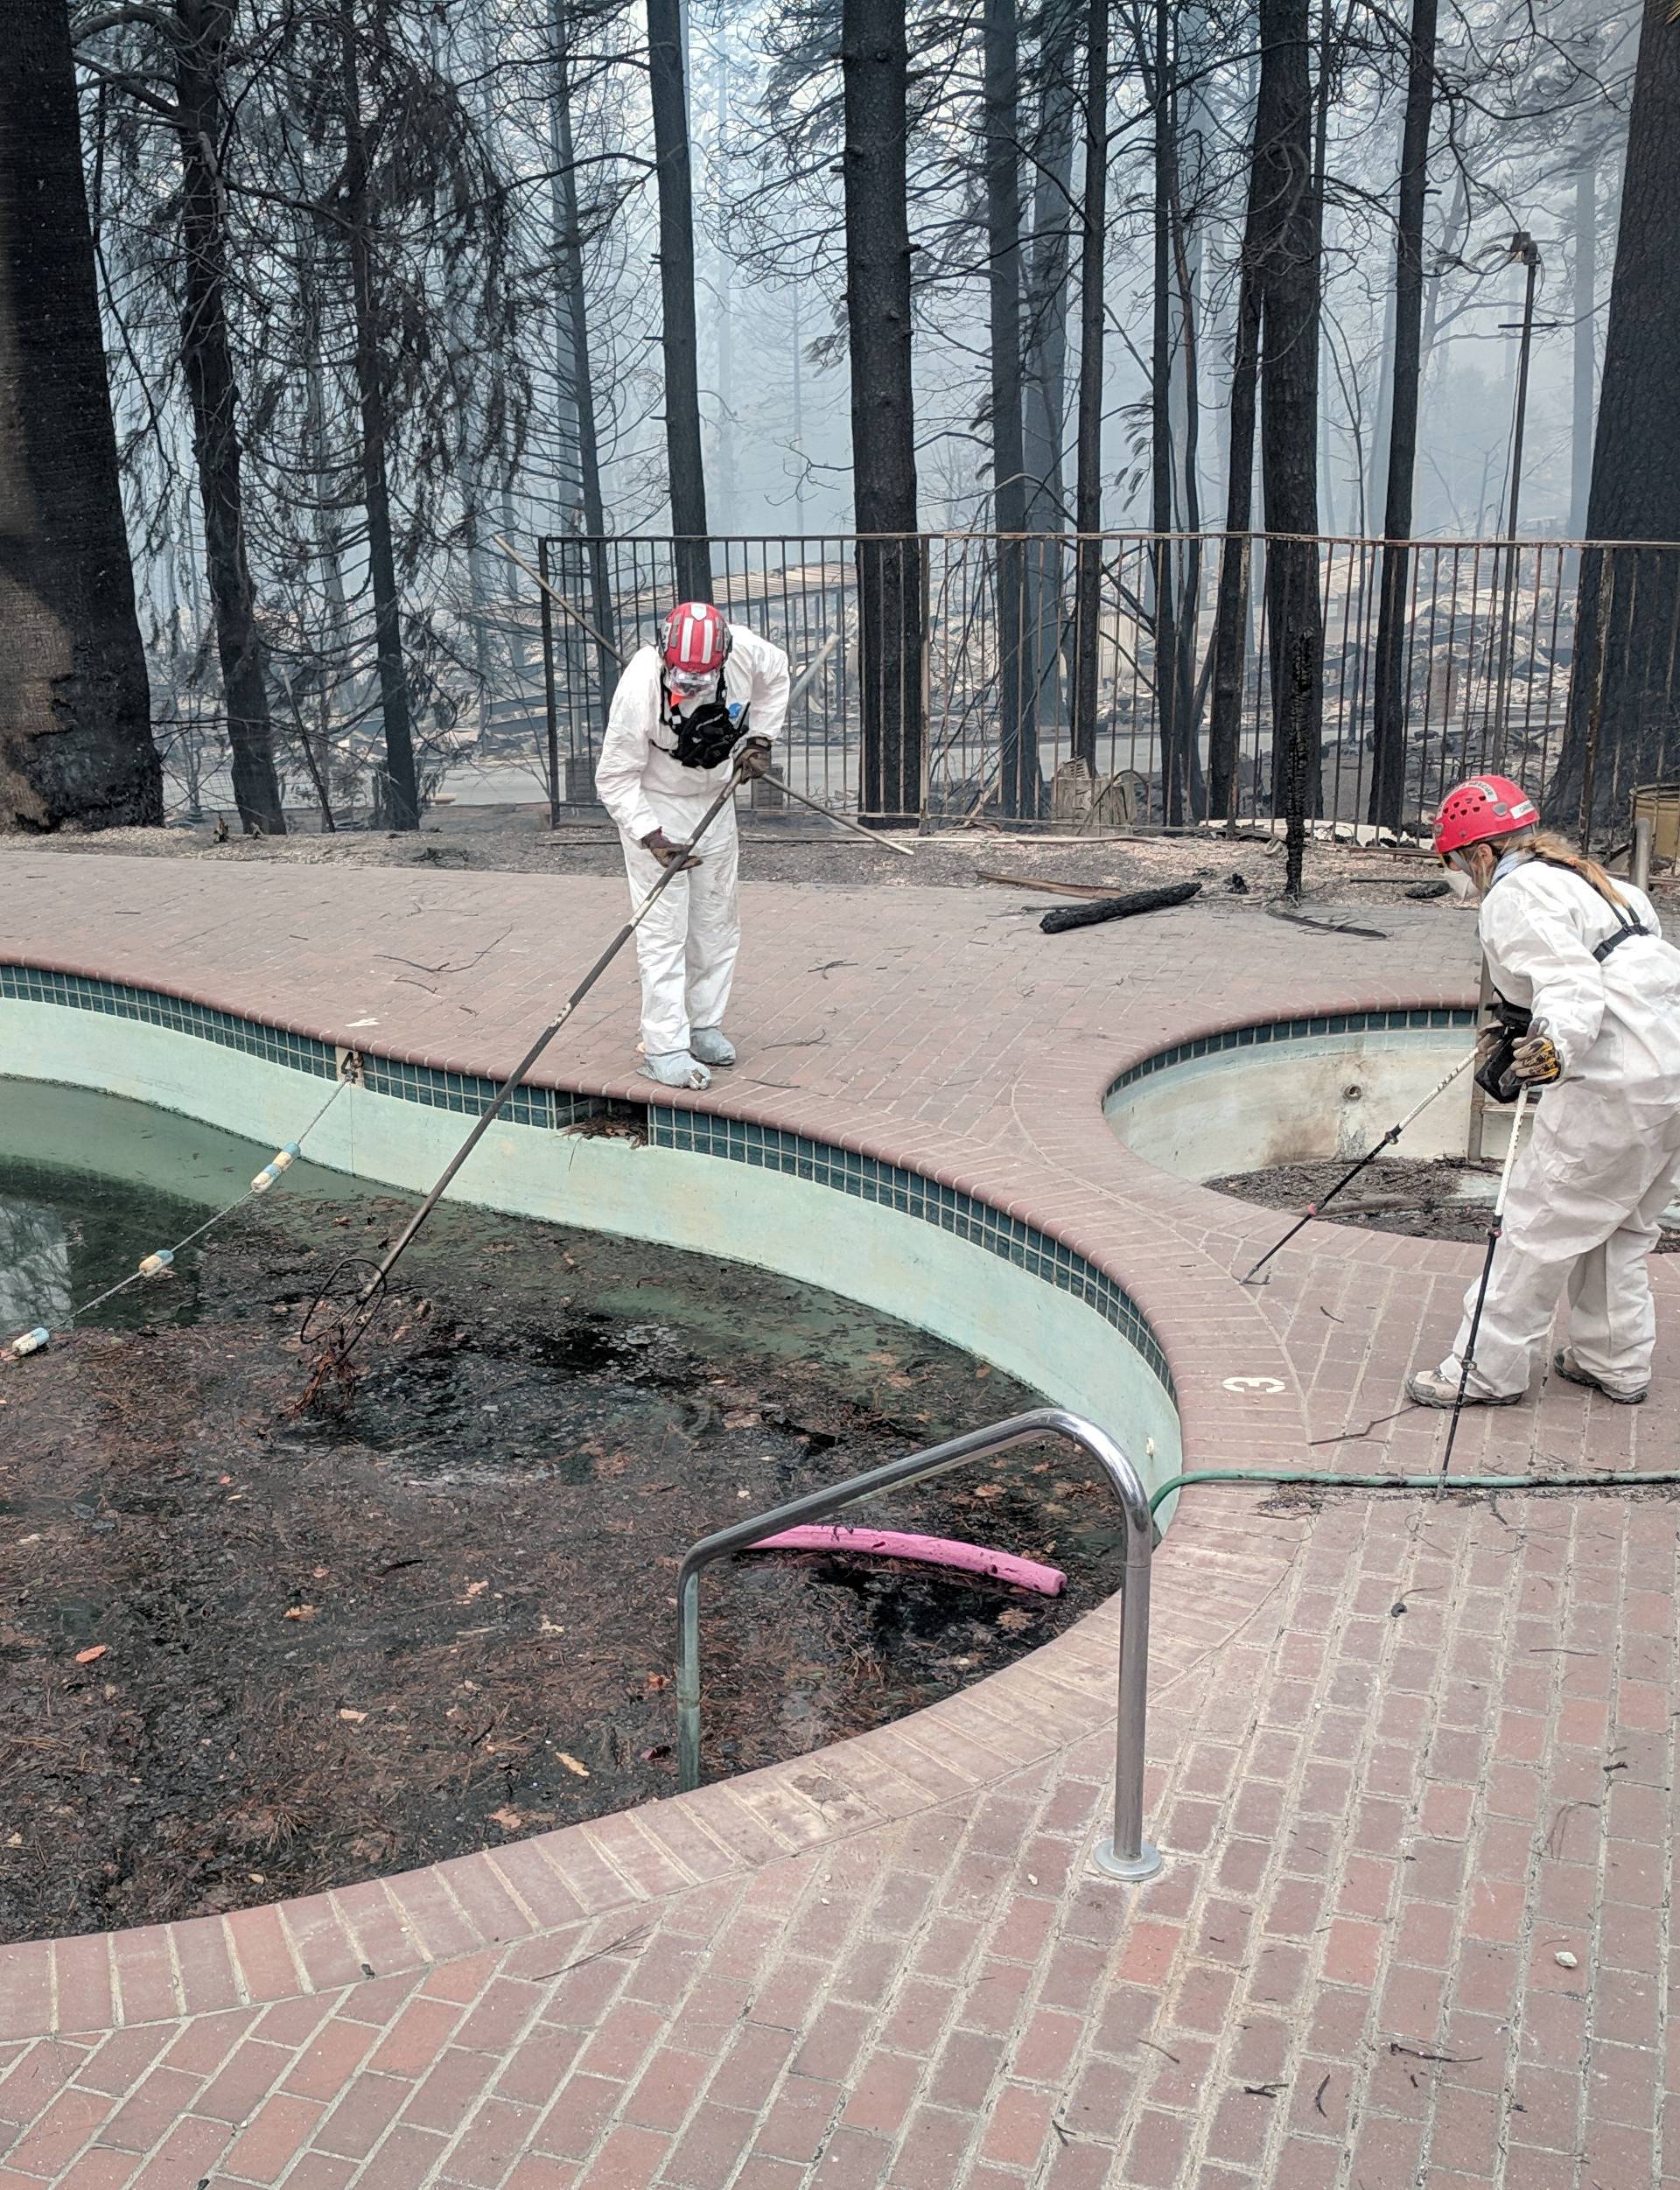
[[1275, 1113], [248, 1650]]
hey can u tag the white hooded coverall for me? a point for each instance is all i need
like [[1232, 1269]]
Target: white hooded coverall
[[1587, 1190], [686, 946]]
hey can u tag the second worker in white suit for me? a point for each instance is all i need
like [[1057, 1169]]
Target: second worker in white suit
[[682, 710]]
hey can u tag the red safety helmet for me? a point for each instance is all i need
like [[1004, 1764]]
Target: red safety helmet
[[695, 640], [1485, 806]]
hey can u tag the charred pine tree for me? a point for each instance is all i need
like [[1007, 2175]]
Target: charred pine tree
[[875, 65], [1044, 397], [573, 363], [1020, 778], [1584, 359], [357, 217], [1173, 578], [679, 341], [1232, 597], [202, 33], [1290, 277], [75, 735], [1389, 707], [1087, 487], [1624, 709]]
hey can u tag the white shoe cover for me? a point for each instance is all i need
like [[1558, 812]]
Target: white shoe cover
[[676, 1068]]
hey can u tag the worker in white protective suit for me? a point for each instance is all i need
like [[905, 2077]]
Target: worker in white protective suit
[[711, 695], [1584, 955]]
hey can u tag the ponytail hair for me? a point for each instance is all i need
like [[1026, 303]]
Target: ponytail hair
[[1557, 851]]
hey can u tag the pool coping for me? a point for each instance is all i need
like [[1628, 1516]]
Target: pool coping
[[1046, 1702]]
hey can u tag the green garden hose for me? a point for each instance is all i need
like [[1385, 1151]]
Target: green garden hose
[[1324, 1481]]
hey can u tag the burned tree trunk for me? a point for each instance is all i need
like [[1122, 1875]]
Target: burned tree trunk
[[680, 343], [875, 65], [202, 29], [1088, 488], [1019, 780], [1389, 708], [1174, 574], [1584, 370], [1624, 724], [573, 364], [1237, 552], [356, 212], [75, 737], [1289, 416], [1043, 401]]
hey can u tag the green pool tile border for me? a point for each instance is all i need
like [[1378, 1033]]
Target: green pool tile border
[[1267, 1033], [890, 1187], [466, 1093], [115, 999], [689, 1132]]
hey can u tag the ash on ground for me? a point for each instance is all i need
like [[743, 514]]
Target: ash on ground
[[1433, 1199]]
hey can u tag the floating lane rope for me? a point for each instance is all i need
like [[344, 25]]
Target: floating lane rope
[[162, 1259]]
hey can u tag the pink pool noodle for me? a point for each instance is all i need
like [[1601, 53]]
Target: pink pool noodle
[[889, 1543]]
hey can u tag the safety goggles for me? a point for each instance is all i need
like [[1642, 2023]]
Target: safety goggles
[[688, 682]]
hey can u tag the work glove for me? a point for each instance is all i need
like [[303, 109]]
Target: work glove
[[1488, 1043], [753, 760], [1535, 1060], [666, 852]]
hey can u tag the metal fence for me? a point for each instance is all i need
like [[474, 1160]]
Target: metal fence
[[1555, 662]]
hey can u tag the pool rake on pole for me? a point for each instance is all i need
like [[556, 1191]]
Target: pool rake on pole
[[350, 1299], [1317, 1208]]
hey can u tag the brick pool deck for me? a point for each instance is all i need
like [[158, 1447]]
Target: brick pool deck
[[1403, 1755]]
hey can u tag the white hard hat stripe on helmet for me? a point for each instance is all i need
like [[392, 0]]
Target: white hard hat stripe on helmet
[[694, 638]]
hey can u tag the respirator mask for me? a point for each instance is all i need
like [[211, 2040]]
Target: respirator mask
[[1460, 883]]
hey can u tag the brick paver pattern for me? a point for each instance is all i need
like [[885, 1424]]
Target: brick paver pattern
[[1411, 1761]]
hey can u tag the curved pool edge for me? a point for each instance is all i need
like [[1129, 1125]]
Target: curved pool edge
[[1056, 1696]]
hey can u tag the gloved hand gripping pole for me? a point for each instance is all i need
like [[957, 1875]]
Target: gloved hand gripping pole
[[339, 1332], [1317, 1208], [1495, 1227]]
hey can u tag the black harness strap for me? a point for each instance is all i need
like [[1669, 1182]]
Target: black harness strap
[[1496, 1076], [706, 737]]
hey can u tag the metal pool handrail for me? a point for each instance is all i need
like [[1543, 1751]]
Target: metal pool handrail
[[1126, 1854]]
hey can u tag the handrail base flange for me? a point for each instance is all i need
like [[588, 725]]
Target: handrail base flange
[[1148, 1862]]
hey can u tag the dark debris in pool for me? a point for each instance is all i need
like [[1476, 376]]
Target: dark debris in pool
[[1435, 1198], [330, 1648]]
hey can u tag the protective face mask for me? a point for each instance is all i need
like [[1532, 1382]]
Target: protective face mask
[[688, 684], [1463, 888]]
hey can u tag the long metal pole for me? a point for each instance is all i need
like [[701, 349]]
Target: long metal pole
[[1523, 248], [360, 1314], [337, 1349], [1495, 1227], [552, 593], [869, 836], [1316, 1208], [548, 692]]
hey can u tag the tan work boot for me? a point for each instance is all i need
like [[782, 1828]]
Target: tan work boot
[[1570, 1370], [1428, 1388]]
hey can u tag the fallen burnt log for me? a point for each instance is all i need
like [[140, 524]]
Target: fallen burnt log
[[1064, 917]]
